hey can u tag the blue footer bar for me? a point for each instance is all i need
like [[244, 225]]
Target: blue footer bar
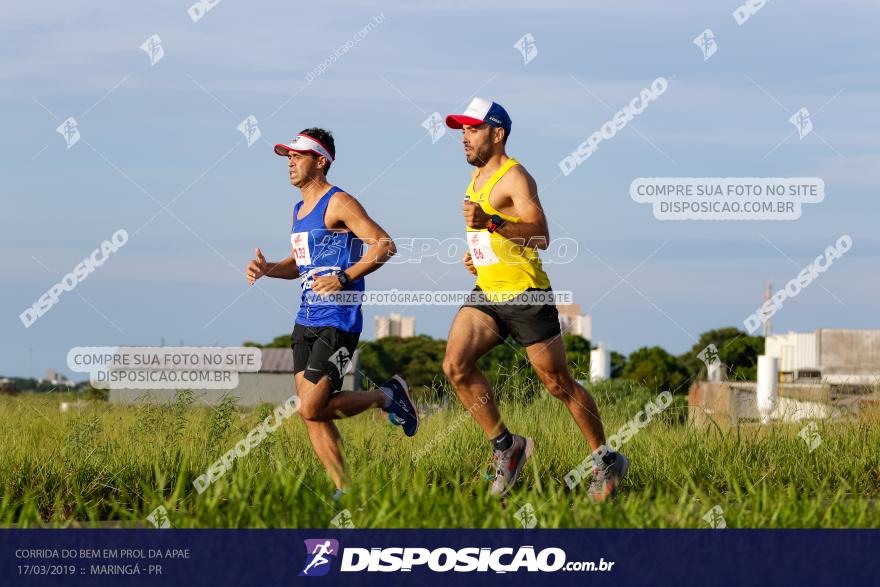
[[434, 557]]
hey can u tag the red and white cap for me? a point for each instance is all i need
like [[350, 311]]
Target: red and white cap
[[304, 144], [481, 110]]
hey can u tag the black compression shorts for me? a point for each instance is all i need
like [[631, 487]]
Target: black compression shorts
[[322, 351]]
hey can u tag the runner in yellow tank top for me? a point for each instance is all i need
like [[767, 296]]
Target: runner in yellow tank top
[[506, 227], [504, 266]]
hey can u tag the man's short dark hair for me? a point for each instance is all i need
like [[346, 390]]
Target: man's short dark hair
[[325, 138]]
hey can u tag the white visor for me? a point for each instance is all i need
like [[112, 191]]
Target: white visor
[[304, 144]]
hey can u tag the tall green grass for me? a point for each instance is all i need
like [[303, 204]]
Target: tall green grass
[[101, 462]]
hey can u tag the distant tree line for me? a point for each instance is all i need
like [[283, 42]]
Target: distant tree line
[[15, 384], [420, 359]]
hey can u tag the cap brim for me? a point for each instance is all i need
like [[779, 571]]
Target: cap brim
[[459, 120]]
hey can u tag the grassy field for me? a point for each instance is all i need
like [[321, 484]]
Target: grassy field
[[99, 462]]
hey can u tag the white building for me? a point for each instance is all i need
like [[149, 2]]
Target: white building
[[571, 320], [395, 325], [55, 378], [272, 384], [837, 355]]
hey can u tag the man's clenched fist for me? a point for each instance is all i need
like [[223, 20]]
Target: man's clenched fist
[[469, 263], [474, 216]]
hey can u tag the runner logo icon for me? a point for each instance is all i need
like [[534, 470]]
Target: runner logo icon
[[320, 553]]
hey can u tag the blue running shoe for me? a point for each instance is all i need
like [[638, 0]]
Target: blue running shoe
[[402, 411]]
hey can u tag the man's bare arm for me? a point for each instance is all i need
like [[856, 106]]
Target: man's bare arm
[[346, 211], [285, 269], [532, 229], [349, 211], [259, 267]]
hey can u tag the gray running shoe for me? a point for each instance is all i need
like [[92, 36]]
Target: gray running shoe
[[509, 463], [607, 478]]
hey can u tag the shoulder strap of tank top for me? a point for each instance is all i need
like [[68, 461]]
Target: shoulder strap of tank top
[[296, 208], [321, 208], [499, 174], [495, 177]]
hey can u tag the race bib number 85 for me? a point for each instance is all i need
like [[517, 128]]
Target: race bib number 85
[[300, 243]]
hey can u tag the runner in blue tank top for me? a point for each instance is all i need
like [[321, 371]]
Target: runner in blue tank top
[[330, 228], [319, 252]]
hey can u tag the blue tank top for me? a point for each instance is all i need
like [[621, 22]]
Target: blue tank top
[[321, 251]]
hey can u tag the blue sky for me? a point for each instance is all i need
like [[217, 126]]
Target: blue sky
[[168, 133]]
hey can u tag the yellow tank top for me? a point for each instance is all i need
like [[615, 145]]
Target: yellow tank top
[[504, 268]]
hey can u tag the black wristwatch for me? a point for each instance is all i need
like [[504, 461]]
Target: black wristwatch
[[343, 278], [495, 222]]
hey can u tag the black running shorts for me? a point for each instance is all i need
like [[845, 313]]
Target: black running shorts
[[527, 324], [322, 351]]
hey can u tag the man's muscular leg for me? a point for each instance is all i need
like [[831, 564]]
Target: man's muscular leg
[[473, 334], [549, 361], [323, 435], [318, 408]]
